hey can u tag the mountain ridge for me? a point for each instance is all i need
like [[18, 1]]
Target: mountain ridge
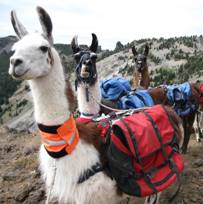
[[171, 60]]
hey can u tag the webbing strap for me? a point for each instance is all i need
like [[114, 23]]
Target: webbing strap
[[172, 164], [145, 175], [158, 134], [141, 98]]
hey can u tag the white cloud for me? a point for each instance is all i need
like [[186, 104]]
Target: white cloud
[[111, 20]]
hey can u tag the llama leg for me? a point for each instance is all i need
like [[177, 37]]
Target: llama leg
[[198, 133], [188, 122], [186, 136], [153, 199], [197, 136]]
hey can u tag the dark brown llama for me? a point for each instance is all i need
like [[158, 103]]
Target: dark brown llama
[[141, 71]]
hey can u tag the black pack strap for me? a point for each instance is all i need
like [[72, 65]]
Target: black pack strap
[[165, 163], [175, 194], [174, 168], [172, 164], [147, 179], [158, 134], [172, 123], [141, 98], [138, 157], [133, 138], [90, 172]]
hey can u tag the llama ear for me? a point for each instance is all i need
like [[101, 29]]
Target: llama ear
[[94, 45], [146, 50], [74, 44], [134, 51], [46, 24], [20, 30]]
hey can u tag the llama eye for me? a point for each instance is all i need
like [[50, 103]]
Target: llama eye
[[77, 56], [12, 52], [44, 49], [93, 56]]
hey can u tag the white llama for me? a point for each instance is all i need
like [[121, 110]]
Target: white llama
[[88, 90], [36, 60]]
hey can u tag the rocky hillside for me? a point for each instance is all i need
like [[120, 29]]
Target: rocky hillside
[[170, 60], [21, 183]]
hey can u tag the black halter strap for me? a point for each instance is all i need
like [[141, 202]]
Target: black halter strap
[[88, 81]]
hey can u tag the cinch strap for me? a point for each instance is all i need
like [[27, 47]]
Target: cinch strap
[[90, 172]]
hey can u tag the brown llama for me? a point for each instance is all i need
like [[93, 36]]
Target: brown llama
[[141, 71]]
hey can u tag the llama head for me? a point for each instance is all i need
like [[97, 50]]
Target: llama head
[[140, 59], [86, 71], [32, 56]]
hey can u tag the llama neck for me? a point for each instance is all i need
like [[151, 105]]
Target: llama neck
[[136, 79], [51, 105], [91, 106], [144, 82]]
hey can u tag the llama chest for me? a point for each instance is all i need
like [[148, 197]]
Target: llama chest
[[68, 170]]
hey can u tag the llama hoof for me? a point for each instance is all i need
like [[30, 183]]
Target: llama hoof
[[184, 151], [198, 140]]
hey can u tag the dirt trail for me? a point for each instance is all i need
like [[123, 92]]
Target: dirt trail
[[20, 179]]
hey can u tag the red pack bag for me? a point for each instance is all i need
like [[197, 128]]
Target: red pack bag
[[144, 153]]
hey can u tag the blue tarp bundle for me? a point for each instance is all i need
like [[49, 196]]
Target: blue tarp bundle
[[136, 99], [119, 89], [179, 95], [178, 92], [113, 89]]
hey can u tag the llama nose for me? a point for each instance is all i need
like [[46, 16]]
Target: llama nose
[[16, 61], [87, 62]]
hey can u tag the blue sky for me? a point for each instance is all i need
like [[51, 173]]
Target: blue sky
[[111, 20]]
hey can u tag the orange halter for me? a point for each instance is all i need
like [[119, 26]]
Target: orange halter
[[60, 140]]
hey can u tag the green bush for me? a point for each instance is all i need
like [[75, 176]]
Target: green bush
[[193, 66], [7, 85], [164, 75]]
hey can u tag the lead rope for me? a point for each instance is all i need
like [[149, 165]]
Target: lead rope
[[114, 109], [87, 92], [52, 183]]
